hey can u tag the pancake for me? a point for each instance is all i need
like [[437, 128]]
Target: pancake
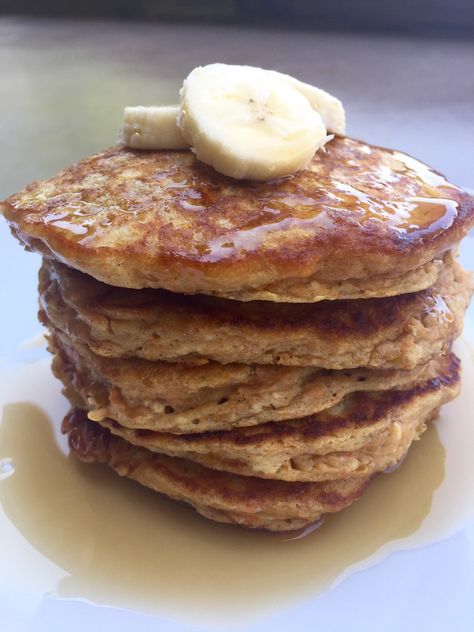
[[358, 221], [363, 434], [312, 290], [246, 501], [387, 333], [179, 399]]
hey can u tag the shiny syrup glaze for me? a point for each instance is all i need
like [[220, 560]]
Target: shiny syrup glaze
[[415, 216], [395, 192], [437, 308]]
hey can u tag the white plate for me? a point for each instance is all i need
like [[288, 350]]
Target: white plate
[[63, 86], [81, 547]]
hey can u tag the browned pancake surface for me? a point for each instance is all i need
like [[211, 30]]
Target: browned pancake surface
[[244, 500], [161, 219], [393, 332], [363, 434], [177, 398]]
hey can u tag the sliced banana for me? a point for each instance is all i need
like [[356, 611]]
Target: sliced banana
[[331, 109], [248, 123], [152, 127], [244, 121]]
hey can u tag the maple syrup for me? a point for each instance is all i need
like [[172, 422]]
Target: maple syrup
[[123, 545]]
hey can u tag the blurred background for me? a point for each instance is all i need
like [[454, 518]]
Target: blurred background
[[442, 17], [404, 70]]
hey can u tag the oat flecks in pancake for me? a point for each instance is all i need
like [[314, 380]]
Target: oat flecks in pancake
[[161, 219], [176, 398], [247, 501], [363, 434], [394, 332], [312, 290]]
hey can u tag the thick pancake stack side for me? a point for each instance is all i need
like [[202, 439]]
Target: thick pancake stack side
[[260, 352]]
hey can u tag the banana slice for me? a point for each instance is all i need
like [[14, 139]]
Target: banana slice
[[331, 109], [152, 127], [248, 123]]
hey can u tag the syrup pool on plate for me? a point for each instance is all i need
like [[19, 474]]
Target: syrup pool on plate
[[79, 531]]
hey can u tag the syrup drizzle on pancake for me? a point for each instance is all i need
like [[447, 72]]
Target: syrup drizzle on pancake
[[342, 197]]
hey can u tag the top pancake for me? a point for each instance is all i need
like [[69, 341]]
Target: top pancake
[[357, 217]]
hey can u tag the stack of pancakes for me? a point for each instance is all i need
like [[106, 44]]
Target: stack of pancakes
[[258, 350]]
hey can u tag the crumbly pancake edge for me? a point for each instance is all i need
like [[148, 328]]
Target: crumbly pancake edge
[[398, 332], [315, 448], [149, 395]]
